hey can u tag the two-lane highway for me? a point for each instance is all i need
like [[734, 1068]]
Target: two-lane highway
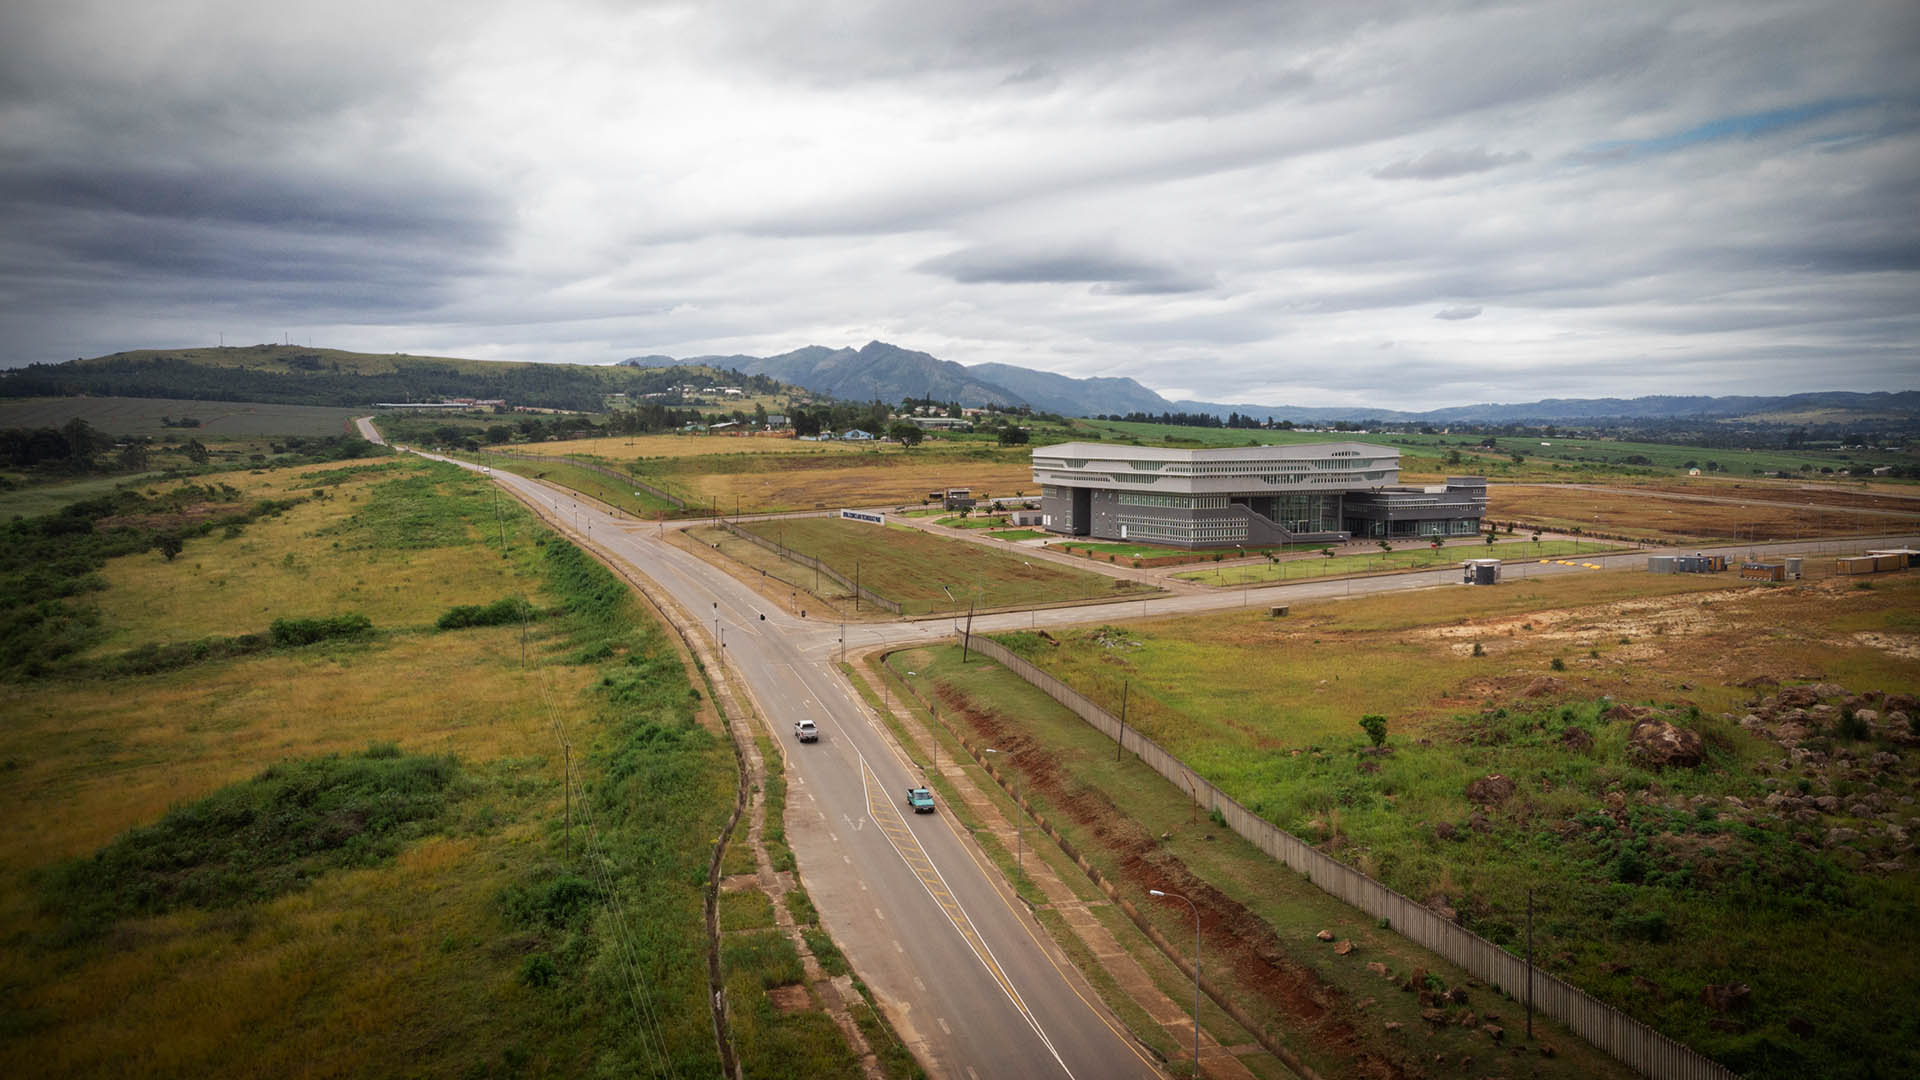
[[969, 978]]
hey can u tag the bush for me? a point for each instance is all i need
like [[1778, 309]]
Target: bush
[[502, 612], [1638, 926], [1375, 725], [1559, 664], [1851, 727], [290, 632], [538, 970]]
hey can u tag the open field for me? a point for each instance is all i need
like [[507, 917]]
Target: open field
[[1425, 458], [769, 475], [1407, 556], [1683, 513], [142, 416], [481, 946], [1650, 882], [912, 567], [1258, 918]]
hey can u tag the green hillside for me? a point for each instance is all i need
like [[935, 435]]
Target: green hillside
[[298, 375]]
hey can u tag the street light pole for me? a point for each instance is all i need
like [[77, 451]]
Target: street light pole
[[1196, 973]]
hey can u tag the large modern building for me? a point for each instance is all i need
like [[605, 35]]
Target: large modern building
[[1252, 496]]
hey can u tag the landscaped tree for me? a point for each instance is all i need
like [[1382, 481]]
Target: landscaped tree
[[907, 434], [1375, 726], [1491, 537]]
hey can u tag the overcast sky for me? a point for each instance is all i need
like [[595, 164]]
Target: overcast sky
[[1402, 205]]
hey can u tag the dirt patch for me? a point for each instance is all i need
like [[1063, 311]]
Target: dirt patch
[[790, 999], [1227, 929]]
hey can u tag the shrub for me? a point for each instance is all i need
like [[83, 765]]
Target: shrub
[[1851, 727], [538, 970], [1638, 926], [1478, 649], [290, 632], [1375, 725], [1559, 664], [502, 612]]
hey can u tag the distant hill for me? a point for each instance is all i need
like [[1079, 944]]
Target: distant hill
[[297, 375], [874, 372], [879, 371]]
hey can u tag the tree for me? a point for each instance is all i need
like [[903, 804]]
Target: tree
[[170, 546], [499, 433], [1437, 541], [196, 452], [1491, 537], [759, 415], [908, 434], [1453, 457], [133, 456], [83, 441], [1013, 436], [1375, 726]]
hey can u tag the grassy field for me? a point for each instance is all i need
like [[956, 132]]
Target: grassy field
[[636, 501], [1425, 457], [142, 416], [769, 475], [1258, 918], [920, 570], [1650, 884], [1409, 556], [1684, 512], [474, 942]]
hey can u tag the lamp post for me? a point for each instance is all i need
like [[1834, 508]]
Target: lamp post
[[1019, 830], [955, 608], [1196, 972]]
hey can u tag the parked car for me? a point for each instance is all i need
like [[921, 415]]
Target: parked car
[[920, 799], [806, 731]]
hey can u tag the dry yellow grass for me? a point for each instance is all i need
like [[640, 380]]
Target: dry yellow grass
[[856, 485], [370, 971], [94, 761], [631, 448]]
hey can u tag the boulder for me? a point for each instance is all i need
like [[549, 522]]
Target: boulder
[[1325, 935], [1444, 830], [1836, 837], [1626, 712], [1658, 744], [1494, 1031], [1576, 740], [1434, 1016], [1797, 697], [1457, 995], [1545, 686], [1377, 968], [1345, 947], [1490, 790], [1829, 690]]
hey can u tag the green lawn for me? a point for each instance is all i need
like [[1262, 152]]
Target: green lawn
[[929, 573], [1019, 534], [1403, 558]]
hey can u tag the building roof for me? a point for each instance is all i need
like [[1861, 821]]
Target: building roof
[[1290, 452]]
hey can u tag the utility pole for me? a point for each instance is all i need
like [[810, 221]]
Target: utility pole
[[966, 639]]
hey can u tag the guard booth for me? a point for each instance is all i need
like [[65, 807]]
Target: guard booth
[[959, 499], [1480, 572]]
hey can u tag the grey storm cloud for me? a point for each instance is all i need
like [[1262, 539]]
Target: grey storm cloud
[[1445, 164], [1113, 274], [1153, 187]]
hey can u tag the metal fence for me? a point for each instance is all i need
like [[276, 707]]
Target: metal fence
[[842, 580], [594, 467], [1634, 1043]]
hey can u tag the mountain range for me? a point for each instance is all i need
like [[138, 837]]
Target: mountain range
[[878, 371]]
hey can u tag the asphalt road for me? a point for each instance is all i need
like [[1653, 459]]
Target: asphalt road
[[972, 982]]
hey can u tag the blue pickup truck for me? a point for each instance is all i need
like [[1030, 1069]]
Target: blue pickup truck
[[920, 799]]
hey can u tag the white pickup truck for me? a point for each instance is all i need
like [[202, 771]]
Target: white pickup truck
[[805, 731]]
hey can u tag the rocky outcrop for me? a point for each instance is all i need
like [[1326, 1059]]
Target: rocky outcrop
[[1656, 743]]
